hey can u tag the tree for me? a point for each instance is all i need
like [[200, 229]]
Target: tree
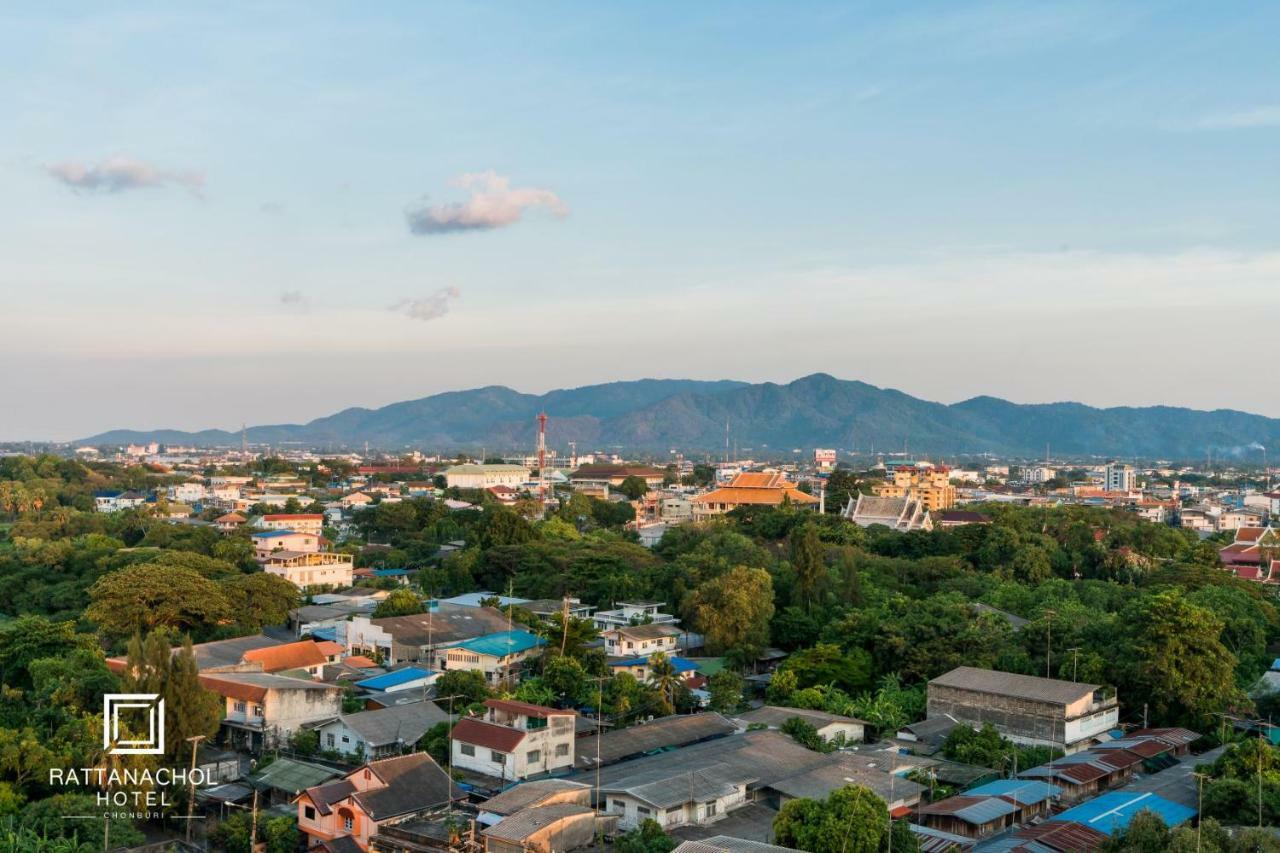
[[29, 638], [259, 599], [825, 663], [1179, 664], [468, 687], [808, 561], [47, 819], [1146, 833], [190, 709], [155, 595], [851, 820], [725, 688], [733, 611], [842, 485], [633, 487], [662, 675], [400, 602], [648, 837]]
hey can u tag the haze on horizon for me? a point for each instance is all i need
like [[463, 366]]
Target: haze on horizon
[[220, 215]]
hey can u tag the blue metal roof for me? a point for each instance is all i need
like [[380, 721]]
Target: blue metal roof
[[1275, 665], [1018, 790], [325, 634], [985, 811], [271, 534], [680, 664], [390, 573], [395, 679], [1113, 811], [501, 644]]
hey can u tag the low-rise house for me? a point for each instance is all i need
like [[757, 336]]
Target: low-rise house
[[532, 794], [641, 640], [397, 639], [1026, 709], [502, 657], [262, 710], [230, 522], [398, 680], [830, 727], [304, 656], [310, 568], [514, 740], [730, 844], [381, 793], [615, 475], [543, 829], [659, 735], [903, 514], [355, 500], [272, 541], [641, 668], [626, 613], [312, 523], [883, 774], [380, 733]]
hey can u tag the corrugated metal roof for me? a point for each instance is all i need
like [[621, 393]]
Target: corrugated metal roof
[[987, 810], [394, 679], [1113, 811], [1019, 790]]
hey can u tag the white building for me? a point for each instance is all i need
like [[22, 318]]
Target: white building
[[630, 613], [514, 740], [1119, 477], [1036, 474], [486, 476], [312, 523], [641, 640]]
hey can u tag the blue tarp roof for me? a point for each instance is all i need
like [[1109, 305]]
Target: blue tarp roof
[[394, 679], [325, 634], [390, 573], [501, 644], [1113, 811], [1018, 790], [271, 534]]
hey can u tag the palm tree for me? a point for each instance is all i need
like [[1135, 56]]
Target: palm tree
[[662, 675]]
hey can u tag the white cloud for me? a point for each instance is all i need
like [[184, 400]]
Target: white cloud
[[493, 203], [1264, 116], [120, 173], [429, 307]]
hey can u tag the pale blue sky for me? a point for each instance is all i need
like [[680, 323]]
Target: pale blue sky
[[1032, 200]]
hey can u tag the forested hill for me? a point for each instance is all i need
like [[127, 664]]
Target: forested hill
[[814, 411]]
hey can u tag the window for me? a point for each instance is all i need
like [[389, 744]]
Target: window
[[240, 706], [346, 739], [642, 811], [328, 739], [617, 805], [711, 808], [675, 810], [562, 749], [257, 710], [309, 813], [497, 757], [533, 756], [466, 749], [348, 823]]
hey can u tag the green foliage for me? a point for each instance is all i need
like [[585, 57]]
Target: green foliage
[[725, 688], [468, 687], [399, 602], [46, 819], [648, 837], [633, 487], [985, 747], [154, 595], [733, 611], [851, 820]]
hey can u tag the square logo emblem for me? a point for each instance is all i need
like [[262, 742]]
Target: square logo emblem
[[126, 717]]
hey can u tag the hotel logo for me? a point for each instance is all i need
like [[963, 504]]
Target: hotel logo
[[142, 712]]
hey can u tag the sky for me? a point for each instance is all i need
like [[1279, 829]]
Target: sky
[[268, 212]]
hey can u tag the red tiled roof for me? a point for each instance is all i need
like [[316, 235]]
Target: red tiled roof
[[329, 647], [230, 518], [1249, 534], [477, 732], [359, 661], [289, 656], [233, 689]]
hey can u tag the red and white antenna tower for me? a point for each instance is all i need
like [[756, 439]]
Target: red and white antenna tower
[[542, 453]]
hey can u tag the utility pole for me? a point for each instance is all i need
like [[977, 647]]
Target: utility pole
[[194, 740], [1075, 660], [253, 823]]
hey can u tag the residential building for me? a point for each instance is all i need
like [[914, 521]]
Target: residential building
[[897, 513], [381, 793], [230, 522], [641, 640], [397, 639], [355, 500], [631, 613], [1026, 709], [532, 794], [824, 459], [830, 727], [1038, 474], [476, 476], [543, 829], [662, 734], [312, 523], [929, 484], [1119, 477], [263, 709], [399, 680], [380, 733], [304, 656], [641, 668], [751, 488], [307, 569], [501, 656], [514, 740], [271, 541]]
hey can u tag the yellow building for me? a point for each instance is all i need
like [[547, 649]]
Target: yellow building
[[931, 486]]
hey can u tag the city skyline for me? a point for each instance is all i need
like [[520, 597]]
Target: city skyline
[[219, 216]]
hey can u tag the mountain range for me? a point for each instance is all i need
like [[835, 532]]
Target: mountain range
[[657, 415]]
